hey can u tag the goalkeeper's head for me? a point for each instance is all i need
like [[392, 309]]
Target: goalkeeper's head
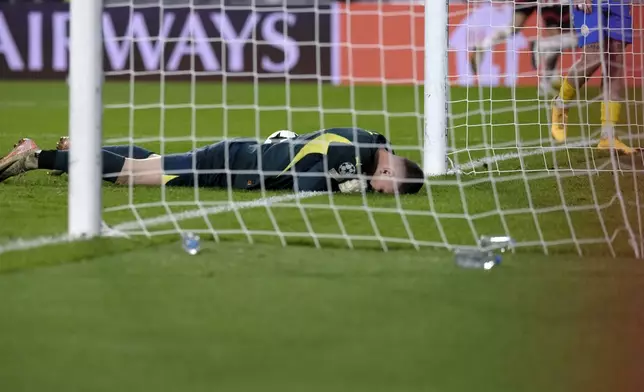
[[395, 174]]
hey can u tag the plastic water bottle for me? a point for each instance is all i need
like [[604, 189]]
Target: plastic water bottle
[[190, 243], [477, 259], [501, 243]]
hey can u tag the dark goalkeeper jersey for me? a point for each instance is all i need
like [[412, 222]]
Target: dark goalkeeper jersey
[[316, 161]]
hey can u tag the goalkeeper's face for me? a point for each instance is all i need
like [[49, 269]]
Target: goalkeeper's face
[[395, 174], [383, 183], [390, 169]]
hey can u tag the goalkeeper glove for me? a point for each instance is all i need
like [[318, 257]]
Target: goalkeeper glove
[[353, 186]]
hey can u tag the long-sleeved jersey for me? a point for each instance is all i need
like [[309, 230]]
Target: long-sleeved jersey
[[316, 161]]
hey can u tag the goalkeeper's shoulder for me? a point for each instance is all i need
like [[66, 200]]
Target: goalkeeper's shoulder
[[351, 130], [358, 135]]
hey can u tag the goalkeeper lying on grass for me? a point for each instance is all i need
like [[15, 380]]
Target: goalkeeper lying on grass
[[337, 159]]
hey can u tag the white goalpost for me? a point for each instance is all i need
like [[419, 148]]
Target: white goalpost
[[187, 74], [435, 87], [85, 118]]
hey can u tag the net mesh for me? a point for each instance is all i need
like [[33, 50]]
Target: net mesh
[[184, 75]]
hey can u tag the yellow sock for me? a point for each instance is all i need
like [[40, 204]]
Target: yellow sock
[[614, 111], [567, 91]]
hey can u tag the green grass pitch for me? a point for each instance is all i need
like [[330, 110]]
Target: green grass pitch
[[140, 314]]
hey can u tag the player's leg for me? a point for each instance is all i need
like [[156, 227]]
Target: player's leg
[[589, 61], [547, 50], [33, 159], [619, 35], [521, 14], [116, 169], [171, 170], [140, 171], [134, 152], [156, 170], [127, 151], [616, 33]]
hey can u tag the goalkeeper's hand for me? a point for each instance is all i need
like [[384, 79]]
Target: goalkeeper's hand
[[353, 186]]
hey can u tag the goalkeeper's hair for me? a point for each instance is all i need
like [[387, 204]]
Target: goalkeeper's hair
[[414, 178]]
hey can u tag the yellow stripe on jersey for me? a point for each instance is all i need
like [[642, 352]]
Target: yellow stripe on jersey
[[319, 145], [167, 178]]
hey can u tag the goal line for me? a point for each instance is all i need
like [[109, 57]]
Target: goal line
[[121, 230]]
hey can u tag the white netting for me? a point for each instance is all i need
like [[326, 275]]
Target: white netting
[[595, 194], [314, 67], [181, 75]]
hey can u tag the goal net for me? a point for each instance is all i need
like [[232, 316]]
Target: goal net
[[183, 74]]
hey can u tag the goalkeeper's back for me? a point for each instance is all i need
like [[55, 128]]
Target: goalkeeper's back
[[343, 152]]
